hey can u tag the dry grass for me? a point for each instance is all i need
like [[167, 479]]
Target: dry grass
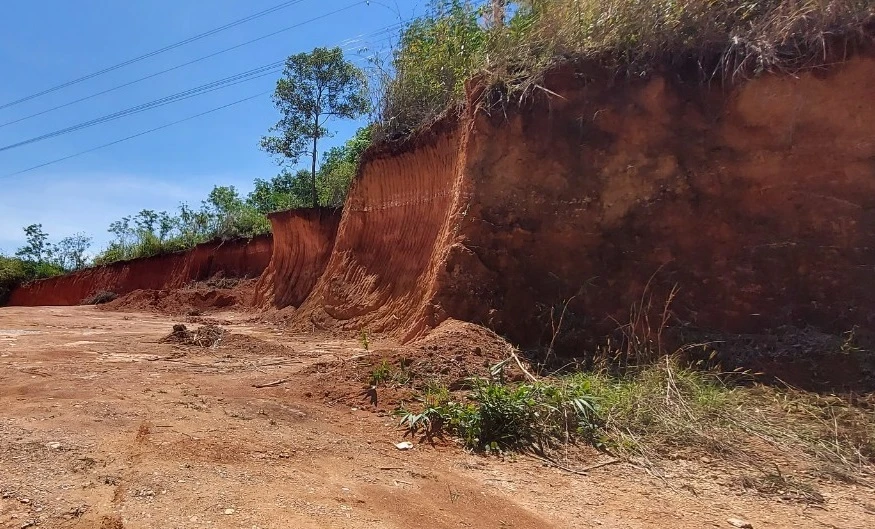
[[722, 38], [666, 410], [204, 336], [726, 40]]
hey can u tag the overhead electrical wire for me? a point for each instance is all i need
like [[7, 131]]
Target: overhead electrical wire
[[188, 63], [346, 43], [80, 153], [255, 73], [251, 74], [153, 53]]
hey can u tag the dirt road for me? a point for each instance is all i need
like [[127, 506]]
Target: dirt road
[[101, 425]]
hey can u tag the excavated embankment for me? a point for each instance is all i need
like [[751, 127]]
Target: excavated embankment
[[236, 258], [303, 240], [757, 201]]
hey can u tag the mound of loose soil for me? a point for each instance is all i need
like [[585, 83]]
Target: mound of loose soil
[[205, 336], [456, 351], [450, 355], [193, 300], [254, 346]]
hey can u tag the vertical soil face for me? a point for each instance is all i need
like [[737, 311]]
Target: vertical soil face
[[303, 240], [394, 231], [757, 201], [237, 258]]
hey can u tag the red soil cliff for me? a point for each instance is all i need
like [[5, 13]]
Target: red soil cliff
[[303, 240], [757, 201], [237, 258]]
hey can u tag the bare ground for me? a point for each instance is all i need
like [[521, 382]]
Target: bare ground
[[102, 425]]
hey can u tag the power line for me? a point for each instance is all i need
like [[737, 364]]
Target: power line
[[156, 52], [237, 79], [189, 63], [248, 75], [80, 153], [255, 73], [348, 43]]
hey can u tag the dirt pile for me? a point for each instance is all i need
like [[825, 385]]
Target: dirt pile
[[192, 299], [237, 258], [204, 336], [756, 200]]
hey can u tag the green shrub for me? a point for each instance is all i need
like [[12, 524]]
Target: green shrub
[[497, 416], [14, 272], [727, 39]]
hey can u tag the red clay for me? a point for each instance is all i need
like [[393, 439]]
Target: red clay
[[303, 240], [237, 258], [755, 200]]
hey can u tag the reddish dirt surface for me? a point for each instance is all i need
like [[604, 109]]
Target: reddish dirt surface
[[238, 258], [104, 426], [191, 300]]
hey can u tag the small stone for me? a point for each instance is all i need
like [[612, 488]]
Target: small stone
[[741, 524], [54, 445], [229, 511], [404, 445]]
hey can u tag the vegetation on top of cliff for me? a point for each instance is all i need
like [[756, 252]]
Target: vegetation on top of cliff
[[315, 88], [512, 48], [40, 258]]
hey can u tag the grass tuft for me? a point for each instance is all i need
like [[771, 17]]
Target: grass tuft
[[729, 40]]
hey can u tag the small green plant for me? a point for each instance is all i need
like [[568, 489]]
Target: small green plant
[[498, 416], [403, 375], [381, 374], [363, 339], [436, 409]]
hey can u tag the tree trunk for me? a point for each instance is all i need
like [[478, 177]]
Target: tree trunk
[[497, 14], [313, 169]]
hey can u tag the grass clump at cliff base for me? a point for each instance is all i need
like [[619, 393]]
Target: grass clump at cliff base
[[457, 40], [663, 411]]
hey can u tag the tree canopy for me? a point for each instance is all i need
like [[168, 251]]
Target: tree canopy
[[315, 87]]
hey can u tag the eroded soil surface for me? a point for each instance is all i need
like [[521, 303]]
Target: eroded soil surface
[[104, 425]]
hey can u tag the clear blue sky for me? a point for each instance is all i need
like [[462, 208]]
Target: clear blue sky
[[44, 44]]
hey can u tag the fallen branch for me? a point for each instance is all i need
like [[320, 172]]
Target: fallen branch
[[580, 472], [599, 465], [520, 364], [271, 384]]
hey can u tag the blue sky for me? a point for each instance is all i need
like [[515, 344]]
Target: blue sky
[[44, 44]]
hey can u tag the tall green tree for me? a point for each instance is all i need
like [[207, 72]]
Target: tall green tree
[[70, 252], [315, 87], [37, 249]]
